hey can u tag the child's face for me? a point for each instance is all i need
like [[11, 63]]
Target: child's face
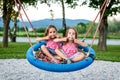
[[52, 33], [71, 34]]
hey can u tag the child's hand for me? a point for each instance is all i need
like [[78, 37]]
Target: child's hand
[[47, 37], [65, 39], [76, 41], [42, 38], [37, 39], [61, 39], [57, 36], [80, 42]]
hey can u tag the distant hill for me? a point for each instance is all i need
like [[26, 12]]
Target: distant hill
[[45, 22]]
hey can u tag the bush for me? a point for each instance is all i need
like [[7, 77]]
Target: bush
[[40, 30], [60, 30], [114, 26], [18, 29], [1, 33], [1, 28]]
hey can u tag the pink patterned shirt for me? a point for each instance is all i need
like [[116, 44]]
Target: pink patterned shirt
[[70, 49], [53, 45]]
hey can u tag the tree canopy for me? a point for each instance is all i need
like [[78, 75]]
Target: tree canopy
[[7, 7], [113, 6]]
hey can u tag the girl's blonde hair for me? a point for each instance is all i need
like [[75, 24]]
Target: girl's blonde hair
[[76, 34], [48, 28]]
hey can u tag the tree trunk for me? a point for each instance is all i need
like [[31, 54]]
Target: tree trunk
[[5, 31], [15, 26], [102, 43], [13, 36], [14, 32], [64, 21], [10, 33], [6, 20]]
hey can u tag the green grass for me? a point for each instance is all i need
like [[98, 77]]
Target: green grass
[[18, 51], [112, 53], [15, 50]]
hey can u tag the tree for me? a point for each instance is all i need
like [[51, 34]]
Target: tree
[[81, 28], [64, 21], [113, 7], [7, 8], [114, 26], [14, 16], [51, 13]]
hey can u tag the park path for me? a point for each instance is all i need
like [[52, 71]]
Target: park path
[[89, 41]]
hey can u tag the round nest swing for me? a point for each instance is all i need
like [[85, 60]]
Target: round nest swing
[[59, 67]]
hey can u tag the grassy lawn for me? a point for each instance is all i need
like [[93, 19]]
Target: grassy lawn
[[112, 53], [15, 50], [18, 51]]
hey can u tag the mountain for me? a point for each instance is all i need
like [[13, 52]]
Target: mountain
[[45, 22]]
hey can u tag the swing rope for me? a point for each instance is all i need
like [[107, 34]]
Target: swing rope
[[103, 7], [24, 26], [94, 20], [28, 18], [106, 1]]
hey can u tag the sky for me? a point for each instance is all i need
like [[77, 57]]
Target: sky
[[43, 12]]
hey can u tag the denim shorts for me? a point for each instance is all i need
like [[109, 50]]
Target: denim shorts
[[52, 51]]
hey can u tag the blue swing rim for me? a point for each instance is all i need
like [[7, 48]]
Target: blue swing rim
[[59, 67]]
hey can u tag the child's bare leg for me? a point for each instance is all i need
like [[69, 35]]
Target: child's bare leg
[[47, 53], [58, 57], [59, 53], [79, 57]]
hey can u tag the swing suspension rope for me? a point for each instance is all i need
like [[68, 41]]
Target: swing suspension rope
[[28, 18], [92, 24], [20, 15], [102, 14], [103, 8]]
